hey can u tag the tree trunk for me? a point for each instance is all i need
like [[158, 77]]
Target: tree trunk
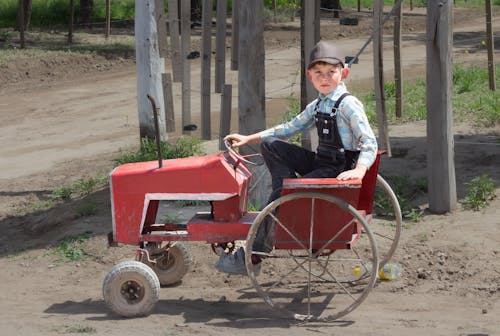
[[86, 11], [27, 4]]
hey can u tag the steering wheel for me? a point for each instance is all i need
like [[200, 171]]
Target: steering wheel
[[244, 158]]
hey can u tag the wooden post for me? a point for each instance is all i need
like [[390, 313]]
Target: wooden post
[[108, 19], [235, 35], [491, 47], [186, 66], [169, 103], [161, 28], [398, 72], [275, 11], [206, 55], [378, 68], [150, 68], [225, 114], [251, 76], [440, 151], [310, 35], [220, 42], [71, 18], [166, 80], [173, 28], [21, 24]]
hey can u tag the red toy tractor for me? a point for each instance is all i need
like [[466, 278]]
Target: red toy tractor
[[325, 258]]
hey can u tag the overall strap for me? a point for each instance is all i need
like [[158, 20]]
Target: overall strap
[[335, 106], [334, 112], [337, 103]]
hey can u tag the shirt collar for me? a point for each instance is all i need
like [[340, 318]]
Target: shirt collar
[[335, 94]]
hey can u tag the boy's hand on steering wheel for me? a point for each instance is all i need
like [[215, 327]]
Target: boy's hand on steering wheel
[[236, 140]]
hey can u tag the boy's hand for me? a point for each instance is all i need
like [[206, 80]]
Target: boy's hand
[[238, 140], [358, 172]]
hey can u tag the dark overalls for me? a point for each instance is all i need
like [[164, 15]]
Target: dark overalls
[[285, 160]]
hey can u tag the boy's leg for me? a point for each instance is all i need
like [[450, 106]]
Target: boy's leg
[[283, 160]]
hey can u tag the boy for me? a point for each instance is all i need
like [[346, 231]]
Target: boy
[[347, 146]]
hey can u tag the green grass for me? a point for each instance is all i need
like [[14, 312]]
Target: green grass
[[188, 203], [407, 191], [471, 98], [87, 209], [182, 147], [480, 191], [47, 13], [76, 329], [368, 4], [71, 248], [81, 188], [79, 329]]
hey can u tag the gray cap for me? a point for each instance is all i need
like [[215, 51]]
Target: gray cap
[[326, 51]]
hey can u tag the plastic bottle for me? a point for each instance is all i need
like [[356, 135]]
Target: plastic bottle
[[390, 271]]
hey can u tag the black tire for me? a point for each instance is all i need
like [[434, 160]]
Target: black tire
[[131, 289], [171, 263]]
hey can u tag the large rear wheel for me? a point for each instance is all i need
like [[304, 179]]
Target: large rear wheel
[[311, 281], [386, 227]]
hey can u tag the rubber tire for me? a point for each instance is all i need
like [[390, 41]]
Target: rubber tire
[[137, 273], [178, 265]]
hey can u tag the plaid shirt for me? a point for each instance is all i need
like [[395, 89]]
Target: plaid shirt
[[354, 129]]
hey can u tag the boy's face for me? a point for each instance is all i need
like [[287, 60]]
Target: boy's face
[[325, 77]]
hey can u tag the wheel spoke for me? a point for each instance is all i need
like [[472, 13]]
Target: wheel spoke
[[288, 231], [383, 236]]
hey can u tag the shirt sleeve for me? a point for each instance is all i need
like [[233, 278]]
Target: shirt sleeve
[[363, 138], [301, 122]]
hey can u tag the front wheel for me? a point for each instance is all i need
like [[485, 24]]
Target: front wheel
[[131, 289], [170, 263]]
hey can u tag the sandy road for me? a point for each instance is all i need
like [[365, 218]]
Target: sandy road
[[54, 132], [43, 126]]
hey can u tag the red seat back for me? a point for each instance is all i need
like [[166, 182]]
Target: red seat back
[[369, 183]]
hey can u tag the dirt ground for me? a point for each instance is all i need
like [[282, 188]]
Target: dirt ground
[[64, 119]]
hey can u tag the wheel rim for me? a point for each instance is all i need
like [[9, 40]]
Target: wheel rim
[[165, 261], [309, 284], [387, 232], [132, 291]]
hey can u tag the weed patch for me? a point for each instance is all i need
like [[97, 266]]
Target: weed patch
[[71, 248], [183, 147], [480, 191]]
